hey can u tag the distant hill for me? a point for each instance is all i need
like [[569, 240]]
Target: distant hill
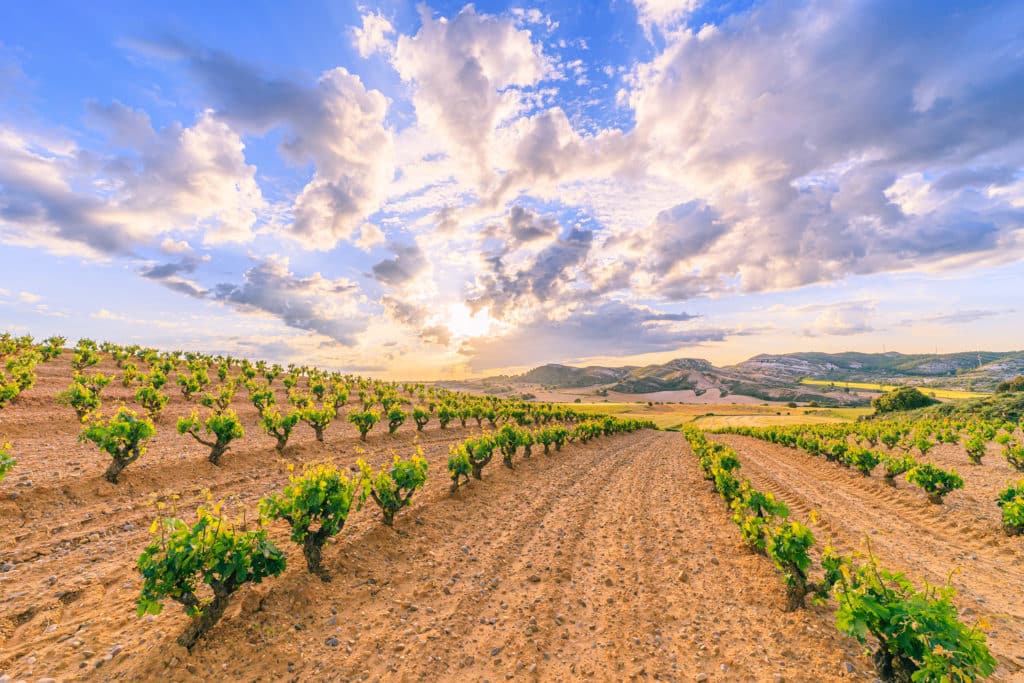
[[777, 377], [979, 371], [566, 376]]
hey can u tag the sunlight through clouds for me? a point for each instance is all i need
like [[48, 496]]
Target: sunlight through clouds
[[470, 187]]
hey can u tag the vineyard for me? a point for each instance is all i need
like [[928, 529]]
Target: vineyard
[[184, 516]]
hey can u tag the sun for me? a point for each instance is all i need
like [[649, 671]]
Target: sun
[[465, 324]]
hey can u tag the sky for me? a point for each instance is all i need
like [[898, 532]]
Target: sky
[[443, 190]]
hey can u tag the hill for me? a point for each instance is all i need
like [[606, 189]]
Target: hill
[[778, 377], [969, 370]]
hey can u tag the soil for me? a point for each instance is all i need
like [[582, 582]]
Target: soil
[[960, 540], [611, 560]]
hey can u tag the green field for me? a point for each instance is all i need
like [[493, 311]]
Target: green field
[[710, 416], [953, 394]]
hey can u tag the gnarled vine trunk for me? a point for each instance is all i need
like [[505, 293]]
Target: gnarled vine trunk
[[210, 616], [217, 450]]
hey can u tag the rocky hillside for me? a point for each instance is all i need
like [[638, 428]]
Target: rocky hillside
[[979, 371], [566, 376], [777, 377]]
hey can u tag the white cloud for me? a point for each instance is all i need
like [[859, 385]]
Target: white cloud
[[664, 13], [188, 180], [844, 319], [467, 74], [327, 306], [371, 37]]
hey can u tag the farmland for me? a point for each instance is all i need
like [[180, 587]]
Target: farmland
[[712, 415], [938, 393], [619, 562]]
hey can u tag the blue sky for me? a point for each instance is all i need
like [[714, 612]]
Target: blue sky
[[446, 190]]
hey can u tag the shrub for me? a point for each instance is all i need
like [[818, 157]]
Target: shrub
[[975, 447], [156, 379], [726, 483], [396, 416], [1014, 454], [459, 466], [787, 546], [479, 452], [445, 415], [83, 394], [52, 347], [8, 390], [545, 436], [224, 427], [392, 489], [364, 420], [211, 552], [318, 418], [526, 440], [507, 441], [1011, 500], [321, 497], [152, 400], [421, 417], [1015, 384], [121, 437], [194, 383], [895, 465], [560, 434], [920, 636], [84, 355], [753, 512], [220, 401], [936, 482], [300, 399], [904, 398], [129, 375], [23, 369], [863, 460], [279, 426], [6, 461], [261, 397]]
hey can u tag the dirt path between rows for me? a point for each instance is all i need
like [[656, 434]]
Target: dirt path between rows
[[958, 541]]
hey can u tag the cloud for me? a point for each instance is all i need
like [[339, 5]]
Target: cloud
[[409, 262], [609, 329], [523, 226], [676, 236], [467, 74], [371, 37], [185, 266], [843, 319], [336, 124], [317, 304], [418, 319], [541, 279], [817, 151], [963, 317], [55, 195], [171, 275], [664, 13], [188, 179]]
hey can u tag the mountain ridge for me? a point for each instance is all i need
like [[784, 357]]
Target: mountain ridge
[[778, 376]]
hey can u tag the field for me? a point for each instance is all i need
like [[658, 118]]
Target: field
[[710, 416], [610, 559], [947, 394]]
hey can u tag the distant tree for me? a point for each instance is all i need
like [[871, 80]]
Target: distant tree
[[1015, 384], [904, 398]]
